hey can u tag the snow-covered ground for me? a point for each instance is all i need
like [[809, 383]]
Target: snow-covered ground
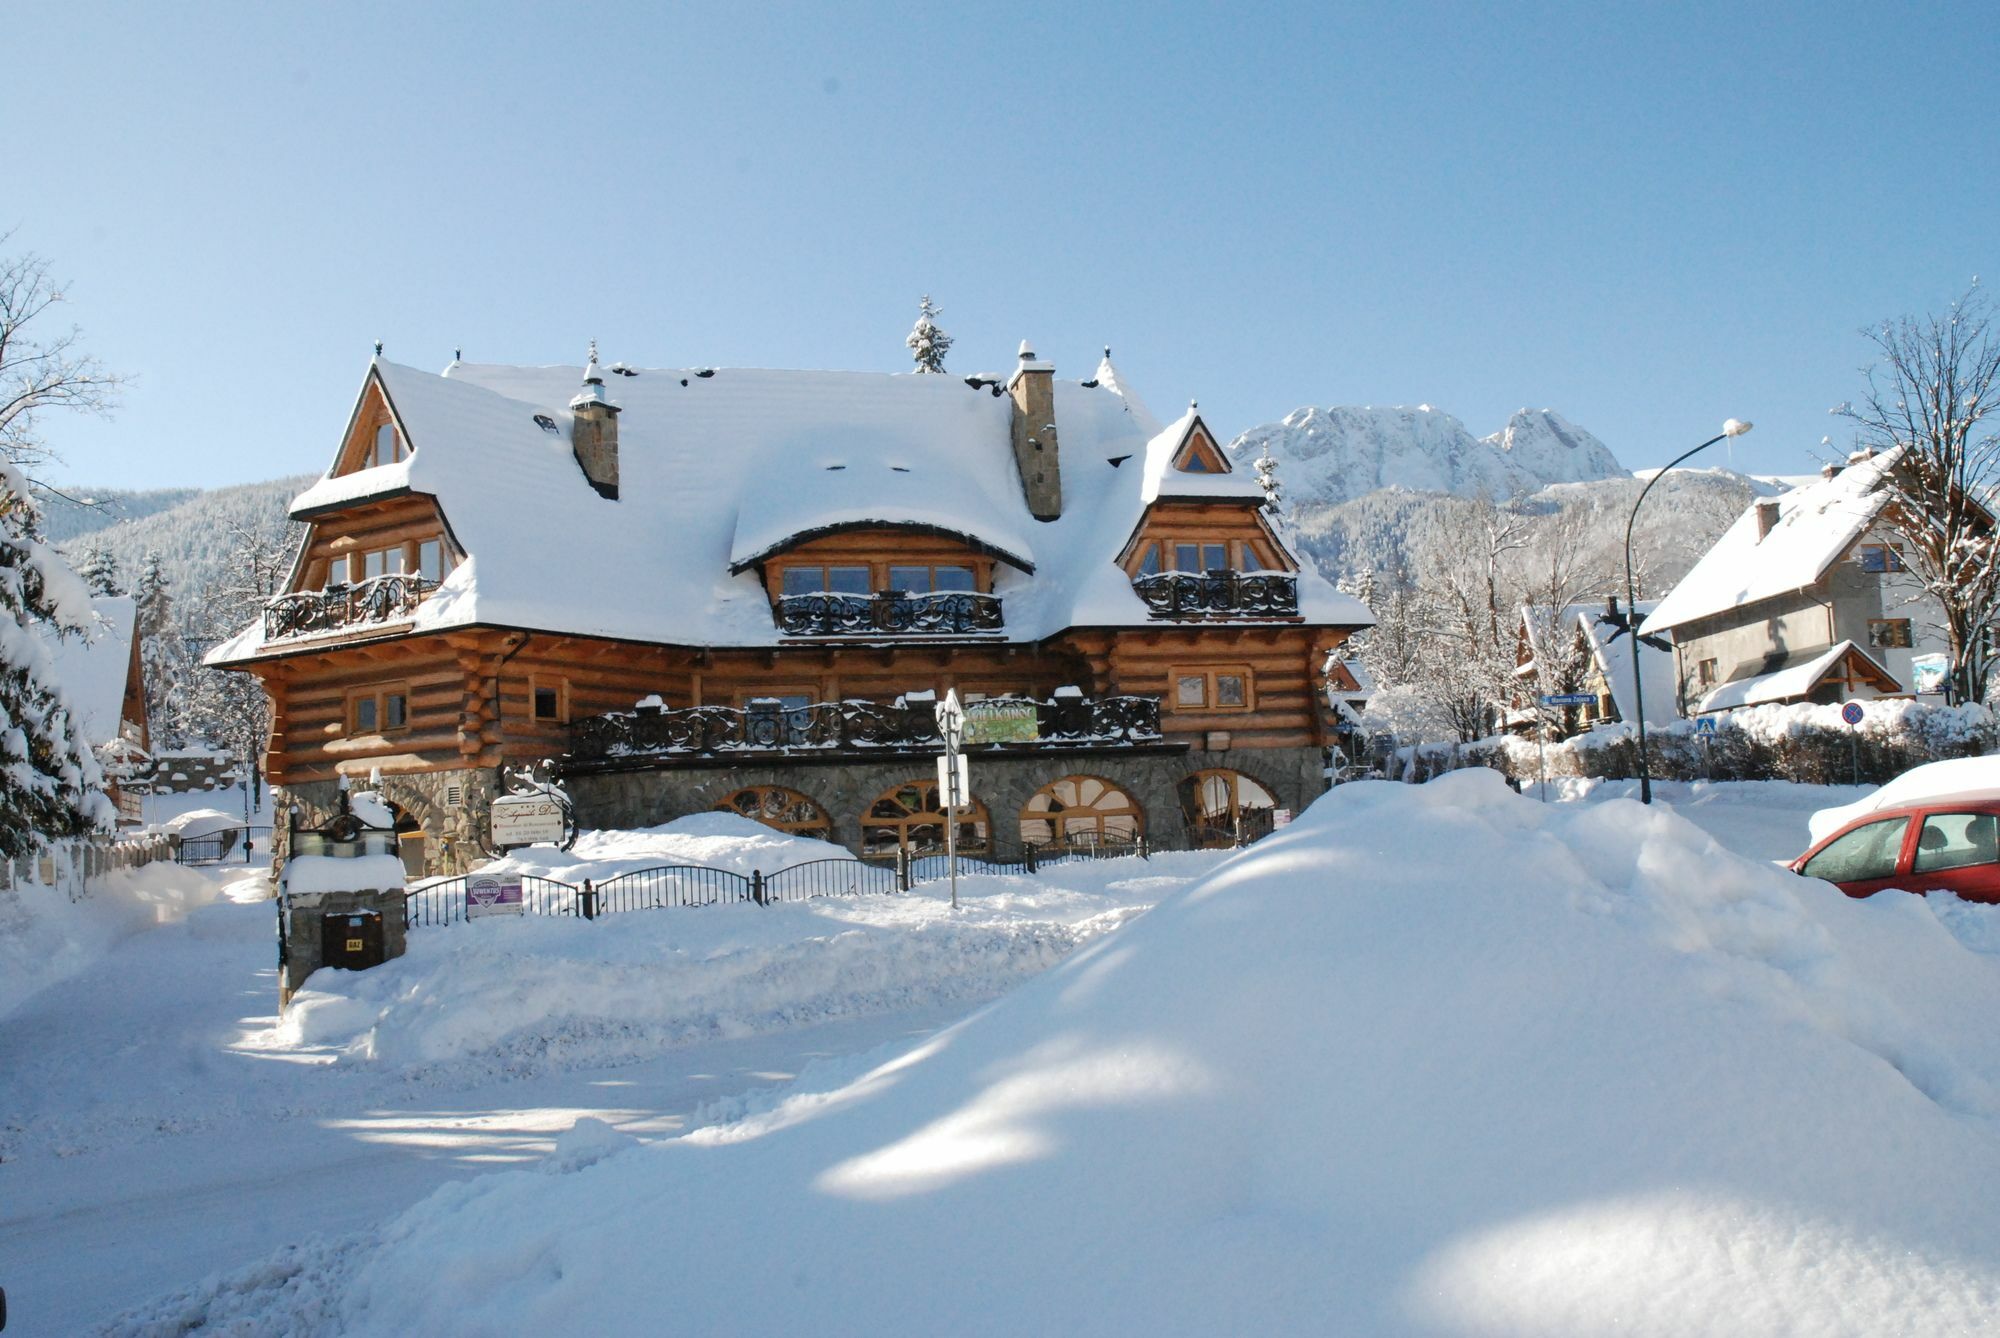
[[158, 1121], [1436, 1059]]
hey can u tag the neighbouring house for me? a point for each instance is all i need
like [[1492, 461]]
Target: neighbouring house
[[101, 681], [1805, 598], [1581, 649], [744, 590]]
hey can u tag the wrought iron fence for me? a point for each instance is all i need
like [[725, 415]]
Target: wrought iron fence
[[857, 726], [444, 900], [828, 613], [1188, 594], [375, 600]]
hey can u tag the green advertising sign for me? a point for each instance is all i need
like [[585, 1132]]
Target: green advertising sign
[[1001, 722]]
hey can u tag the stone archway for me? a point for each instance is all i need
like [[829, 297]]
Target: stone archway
[[1082, 810]]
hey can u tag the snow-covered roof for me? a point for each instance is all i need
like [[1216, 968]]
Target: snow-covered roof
[[1797, 677], [1163, 480], [91, 667], [719, 467], [1614, 662], [1816, 523]]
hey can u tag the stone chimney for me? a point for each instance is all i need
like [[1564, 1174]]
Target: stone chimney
[[1829, 470], [1033, 388], [594, 431], [1767, 518]]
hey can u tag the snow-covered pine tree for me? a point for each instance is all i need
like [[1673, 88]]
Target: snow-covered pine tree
[[1273, 486], [927, 343], [50, 783], [162, 657], [99, 571]]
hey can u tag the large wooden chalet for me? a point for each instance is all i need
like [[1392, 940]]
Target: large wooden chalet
[[739, 589]]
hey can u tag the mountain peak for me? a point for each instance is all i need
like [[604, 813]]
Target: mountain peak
[[1334, 454]]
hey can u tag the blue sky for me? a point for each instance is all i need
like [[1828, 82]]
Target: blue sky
[[1647, 217]]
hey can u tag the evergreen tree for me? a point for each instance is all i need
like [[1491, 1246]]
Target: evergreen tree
[[927, 343], [1274, 488], [99, 571], [162, 654], [50, 783]]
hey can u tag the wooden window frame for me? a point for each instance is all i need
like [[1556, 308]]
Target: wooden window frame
[[1233, 551], [781, 808], [1892, 559], [379, 694], [1208, 673], [1907, 634], [1706, 672], [560, 686], [878, 573], [1063, 823], [974, 816]]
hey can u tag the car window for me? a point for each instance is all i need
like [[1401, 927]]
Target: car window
[[1955, 840], [1866, 852]]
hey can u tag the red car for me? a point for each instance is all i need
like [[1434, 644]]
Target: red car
[[1940, 844]]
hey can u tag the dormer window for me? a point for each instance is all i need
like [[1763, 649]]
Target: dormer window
[[388, 445]]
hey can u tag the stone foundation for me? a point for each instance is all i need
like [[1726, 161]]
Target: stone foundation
[[452, 832], [1004, 782]]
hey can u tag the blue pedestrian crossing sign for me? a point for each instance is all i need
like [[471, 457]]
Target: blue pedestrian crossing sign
[[1705, 725]]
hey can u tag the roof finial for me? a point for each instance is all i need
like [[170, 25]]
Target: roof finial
[[1192, 406], [1107, 350], [378, 348], [591, 376], [593, 350], [458, 355]]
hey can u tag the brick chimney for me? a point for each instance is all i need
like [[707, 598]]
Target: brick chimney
[[594, 431], [1767, 518], [1033, 388]]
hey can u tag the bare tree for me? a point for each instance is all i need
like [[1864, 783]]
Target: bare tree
[[1929, 397], [39, 370]]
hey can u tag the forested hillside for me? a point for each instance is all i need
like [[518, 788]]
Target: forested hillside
[[194, 530]]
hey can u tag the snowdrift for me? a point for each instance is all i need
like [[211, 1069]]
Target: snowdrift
[[1431, 1060]]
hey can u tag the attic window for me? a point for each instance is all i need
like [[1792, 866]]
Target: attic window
[[546, 423], [1198, 454], [388, 446]]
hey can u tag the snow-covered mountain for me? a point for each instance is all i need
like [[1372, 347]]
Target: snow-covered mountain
[[1334, 455]]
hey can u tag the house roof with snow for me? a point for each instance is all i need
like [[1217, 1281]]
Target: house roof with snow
[[1796, 675], [94, 668], [1611, 657], [1815, 525], [721, 467]]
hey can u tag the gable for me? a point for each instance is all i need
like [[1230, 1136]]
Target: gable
[[375, 435], [1198, 453], [1217, 522]]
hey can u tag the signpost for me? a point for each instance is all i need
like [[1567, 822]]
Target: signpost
[[954, 778], [1852, 714], [1569, 699], [1542, 732]]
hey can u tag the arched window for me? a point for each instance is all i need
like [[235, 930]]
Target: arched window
[[786, 810], [1225, 808], [1081, 810], [909, 817]]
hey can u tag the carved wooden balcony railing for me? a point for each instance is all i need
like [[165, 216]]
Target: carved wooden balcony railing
[[1219, 594], [860, 727], [892, 613], [379, 599]]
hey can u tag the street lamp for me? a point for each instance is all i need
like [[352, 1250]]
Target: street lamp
[[1735, 427]]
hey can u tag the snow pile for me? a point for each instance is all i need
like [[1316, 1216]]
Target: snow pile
[[1432, 1059], [515, 995], [45, 937]]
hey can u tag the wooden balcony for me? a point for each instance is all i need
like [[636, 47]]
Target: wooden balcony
[[890, 613], [1219, 594], [856, 729], [380, 599]]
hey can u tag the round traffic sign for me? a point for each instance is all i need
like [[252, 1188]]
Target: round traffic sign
[[1851, 713]]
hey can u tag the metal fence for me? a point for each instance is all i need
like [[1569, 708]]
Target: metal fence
[[445, 900]]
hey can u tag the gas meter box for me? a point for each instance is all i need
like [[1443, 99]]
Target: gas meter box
[[341, 901]]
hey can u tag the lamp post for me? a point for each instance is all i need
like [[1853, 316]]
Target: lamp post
[[1733, 428]]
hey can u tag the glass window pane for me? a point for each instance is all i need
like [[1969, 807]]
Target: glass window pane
[[848, 580], [371, 563], [1873, 558], [392, 561], [955, 578], [1214, 557], [1956, 840], [1149, 560], [398, 710], [1187, 557], [804, 580], [545, 703], [1865, 852], [1250, 562], [364, 715], [1229, 690], [1191, 690], [385, 444], [430, 560], [910, 580]]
